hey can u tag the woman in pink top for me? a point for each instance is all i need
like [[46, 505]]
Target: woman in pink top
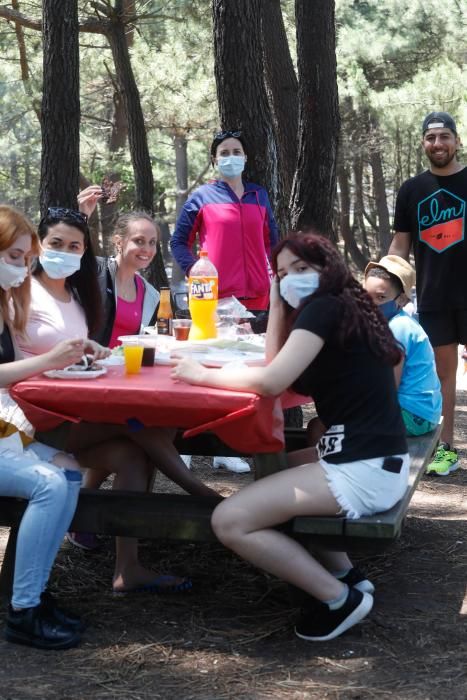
[[66, 278]]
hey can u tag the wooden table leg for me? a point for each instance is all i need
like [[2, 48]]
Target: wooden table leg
[[8, 567], [269, 463]]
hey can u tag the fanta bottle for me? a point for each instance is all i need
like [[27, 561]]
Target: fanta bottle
[[202, 298]]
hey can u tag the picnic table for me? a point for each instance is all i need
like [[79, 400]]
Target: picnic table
[[213, 421]]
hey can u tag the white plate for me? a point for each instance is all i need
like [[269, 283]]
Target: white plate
[[112, 361], [213, 358], [67, 374]]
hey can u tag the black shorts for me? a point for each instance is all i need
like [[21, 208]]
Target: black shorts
[[445, 327]]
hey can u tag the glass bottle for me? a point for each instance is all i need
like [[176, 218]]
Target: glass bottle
[[164, 313]]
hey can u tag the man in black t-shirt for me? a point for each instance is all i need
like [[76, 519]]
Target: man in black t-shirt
[[430, 218]]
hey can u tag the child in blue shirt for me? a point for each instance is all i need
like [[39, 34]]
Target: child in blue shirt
[[389, 283]]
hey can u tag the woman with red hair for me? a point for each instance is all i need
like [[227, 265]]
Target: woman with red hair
[[325, 339]]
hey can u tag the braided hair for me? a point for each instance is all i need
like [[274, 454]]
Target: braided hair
[[360, 316]]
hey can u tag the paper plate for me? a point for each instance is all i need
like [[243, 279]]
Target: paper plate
[[75, 374]]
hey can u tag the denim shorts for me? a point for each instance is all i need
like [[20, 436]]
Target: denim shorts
[[364, 487]]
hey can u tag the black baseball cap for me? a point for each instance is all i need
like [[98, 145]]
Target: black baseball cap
[[437, 120]]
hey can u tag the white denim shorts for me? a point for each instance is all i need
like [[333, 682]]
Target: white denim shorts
[[364, 487]]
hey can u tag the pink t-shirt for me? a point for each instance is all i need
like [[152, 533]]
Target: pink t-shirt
[[128, 315], [50, 321]]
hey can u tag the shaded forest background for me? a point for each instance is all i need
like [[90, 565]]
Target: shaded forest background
[[170, 73]]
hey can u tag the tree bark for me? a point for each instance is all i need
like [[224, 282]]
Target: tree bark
[[344, 219], [381, 202], [137, 139], [314, 185], [241, 92], [181, 172], [282, 88], [60, 111]]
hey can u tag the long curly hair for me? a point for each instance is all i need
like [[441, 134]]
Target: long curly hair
[[360, 315]]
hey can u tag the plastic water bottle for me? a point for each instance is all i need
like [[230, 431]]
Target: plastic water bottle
[[202, 295]]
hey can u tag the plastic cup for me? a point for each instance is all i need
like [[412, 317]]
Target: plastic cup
[[133, 354], [149, 350], [181, 328]]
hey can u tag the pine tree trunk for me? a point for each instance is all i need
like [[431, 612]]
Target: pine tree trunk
[[181, 173], [241, 92], [315, 179], [137, 138], [344, 219], [60, 111], [282, 86], [381, 202], [139, 151]]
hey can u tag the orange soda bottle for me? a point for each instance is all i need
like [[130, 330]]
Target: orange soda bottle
[[202, 298]]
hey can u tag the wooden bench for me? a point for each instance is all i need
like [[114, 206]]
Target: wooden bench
[[180, 517]]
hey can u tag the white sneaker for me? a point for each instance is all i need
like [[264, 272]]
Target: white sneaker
[[187, 460], [233, 464]]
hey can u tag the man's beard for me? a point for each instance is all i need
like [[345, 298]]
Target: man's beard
[[443, 160]]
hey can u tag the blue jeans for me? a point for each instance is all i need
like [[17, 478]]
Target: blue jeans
[[52, 494]]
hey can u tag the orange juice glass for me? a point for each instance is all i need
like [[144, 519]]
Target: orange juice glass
[[133, 355]]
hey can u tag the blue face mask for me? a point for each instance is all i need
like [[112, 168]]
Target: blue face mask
[[58, 265], [389, 309], [231, 166], [294, 288]]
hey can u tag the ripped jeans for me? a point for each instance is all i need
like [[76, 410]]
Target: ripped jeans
[[52, 494]]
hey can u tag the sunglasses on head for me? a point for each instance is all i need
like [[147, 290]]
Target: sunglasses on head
[[227, 134], [61, 214]]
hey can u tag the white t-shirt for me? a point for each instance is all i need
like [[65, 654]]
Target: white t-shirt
[[50, 321]]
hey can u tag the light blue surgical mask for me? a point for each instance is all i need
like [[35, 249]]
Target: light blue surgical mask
[[11, 275], [295, 287], [58, 264], [389, 309], [231, 166]]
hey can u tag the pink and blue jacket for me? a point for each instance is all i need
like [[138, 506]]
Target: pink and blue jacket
[[238, 235]]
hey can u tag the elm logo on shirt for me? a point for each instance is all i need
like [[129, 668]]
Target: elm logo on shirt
[[441, 219], [331, 441]]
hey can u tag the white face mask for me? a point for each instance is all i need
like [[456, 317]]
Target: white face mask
[[59, 265], [11, 275], [294, 288]]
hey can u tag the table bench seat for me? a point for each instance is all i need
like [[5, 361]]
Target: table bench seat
[[180, 517]]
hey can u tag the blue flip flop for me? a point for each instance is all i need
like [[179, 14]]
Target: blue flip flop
[[160, 585]]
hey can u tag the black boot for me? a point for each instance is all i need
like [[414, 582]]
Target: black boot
[[34, 628], [59, 615]]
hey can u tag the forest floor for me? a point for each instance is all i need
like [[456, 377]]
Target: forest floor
[[232, 636]]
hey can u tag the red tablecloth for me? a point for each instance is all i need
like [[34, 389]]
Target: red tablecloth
[[244, 421]]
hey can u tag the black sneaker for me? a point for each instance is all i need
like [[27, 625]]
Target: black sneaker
[[355, 578], [33, 628], [57, 614], [319, 623]]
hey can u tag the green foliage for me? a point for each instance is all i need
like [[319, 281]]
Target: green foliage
[[397, 59]]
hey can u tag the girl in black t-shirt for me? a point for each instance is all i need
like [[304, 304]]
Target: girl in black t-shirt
[[327, 339]]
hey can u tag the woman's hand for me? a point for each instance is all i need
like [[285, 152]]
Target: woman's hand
[[68, 352], [275, 299], [88, 198], [187, 370], [96, 350]]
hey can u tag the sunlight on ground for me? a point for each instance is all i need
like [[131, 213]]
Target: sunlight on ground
[[463, 610]]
